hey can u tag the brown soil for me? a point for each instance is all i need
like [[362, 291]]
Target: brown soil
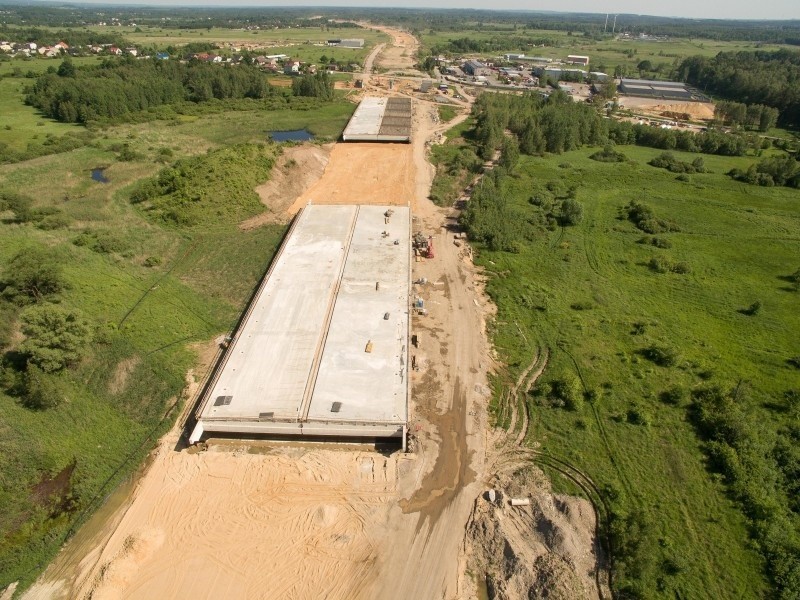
[[400, 55], [698, 111], [544, 550], [297, 169], [363, 173]]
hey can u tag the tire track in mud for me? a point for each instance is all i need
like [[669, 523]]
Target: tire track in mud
[[451, 471]]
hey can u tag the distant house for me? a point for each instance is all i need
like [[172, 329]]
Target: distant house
[[206, 57], [132, 51], [114, 50], [62, 46], [513, 57], [475, 68], [291, 67], [574, 59], [312, 69], [6, 47]]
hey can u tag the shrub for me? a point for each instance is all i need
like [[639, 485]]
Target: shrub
[[32, 274], [40, 389], [571, 212], [56, 337], [752, 310], [663, 356], [102, 242], [583, 305], [569, 390], [56, 220], [152, 261], [637, 415], [608, 154], [659, 264], [641, 215], [19, 204], [672, 395], [794, 279]]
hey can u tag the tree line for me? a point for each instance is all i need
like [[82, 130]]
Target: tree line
[[49, 37], [770, 79], [122, 86], [556, 124], [738, 114]]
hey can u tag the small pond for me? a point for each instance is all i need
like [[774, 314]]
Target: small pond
[[99, 175], [295, 135]]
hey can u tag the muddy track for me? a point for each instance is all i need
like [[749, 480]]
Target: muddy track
[[541, 359], [511, 397]]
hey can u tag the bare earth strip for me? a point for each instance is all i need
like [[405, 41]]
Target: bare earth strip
[[364, 173], [286, 521]]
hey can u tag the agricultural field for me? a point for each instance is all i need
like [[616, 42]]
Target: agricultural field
[[593, 295]]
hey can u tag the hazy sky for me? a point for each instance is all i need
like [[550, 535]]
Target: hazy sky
[[725, 9]]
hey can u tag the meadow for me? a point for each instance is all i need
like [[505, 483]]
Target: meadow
[[155, 294], [589, 293]]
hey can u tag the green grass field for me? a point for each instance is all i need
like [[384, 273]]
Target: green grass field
[[586, 292], [147, 318]]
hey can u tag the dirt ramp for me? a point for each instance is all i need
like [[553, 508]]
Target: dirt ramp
[[364, 173]]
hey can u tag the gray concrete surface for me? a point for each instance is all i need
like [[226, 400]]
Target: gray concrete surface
[[302, 344]]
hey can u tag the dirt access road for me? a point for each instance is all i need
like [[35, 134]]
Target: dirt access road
[[246, 520]]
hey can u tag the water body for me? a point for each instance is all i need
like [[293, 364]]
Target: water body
[[99, 176], [295, 135]]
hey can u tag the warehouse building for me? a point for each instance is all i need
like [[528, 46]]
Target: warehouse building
[[666, 90], [474, 68], [380, 120], [322, 350], [559, 73], [575, 59]]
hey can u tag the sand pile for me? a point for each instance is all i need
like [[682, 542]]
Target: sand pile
[[697, 111], [546, 549]]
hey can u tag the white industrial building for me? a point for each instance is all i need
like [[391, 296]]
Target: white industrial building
[[322, 350]]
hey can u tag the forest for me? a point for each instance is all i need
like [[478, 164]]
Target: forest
[[768, 78], [557, 124], [121, 86]]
